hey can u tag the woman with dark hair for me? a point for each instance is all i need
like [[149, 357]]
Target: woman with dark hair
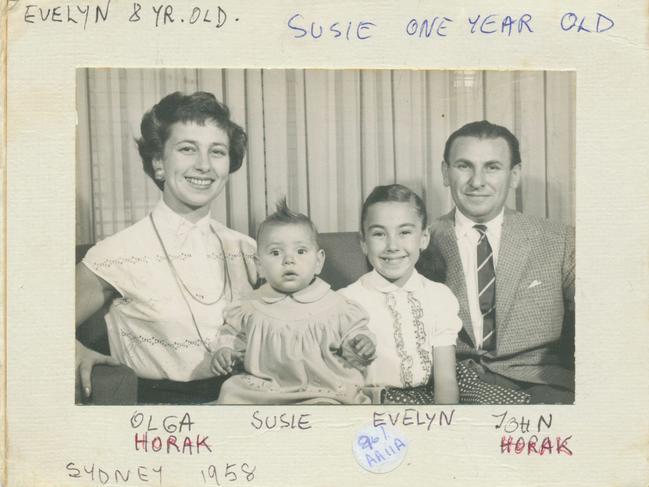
[[169, 276]]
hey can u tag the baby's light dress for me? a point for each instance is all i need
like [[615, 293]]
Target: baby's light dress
[[293, 347]]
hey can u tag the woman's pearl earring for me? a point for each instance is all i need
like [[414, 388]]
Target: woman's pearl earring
[[159, 174]]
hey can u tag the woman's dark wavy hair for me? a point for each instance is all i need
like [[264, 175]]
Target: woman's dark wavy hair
[[198, 107]]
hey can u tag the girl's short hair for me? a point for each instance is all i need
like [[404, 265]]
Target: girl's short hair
[[283, 215], [397, 193], [199, 108], [431, 263]]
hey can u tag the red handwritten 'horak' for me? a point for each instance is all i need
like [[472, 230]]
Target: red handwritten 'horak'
[[535, 445]]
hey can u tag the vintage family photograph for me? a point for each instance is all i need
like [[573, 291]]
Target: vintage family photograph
[[309, 236]]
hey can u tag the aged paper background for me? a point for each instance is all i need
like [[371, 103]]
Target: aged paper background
[[609, 423], [3, 73]]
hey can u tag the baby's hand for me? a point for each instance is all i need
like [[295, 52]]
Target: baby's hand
[[364, 347], [223, 361]]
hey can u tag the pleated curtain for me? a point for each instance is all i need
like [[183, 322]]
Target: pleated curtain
[[325, 138]]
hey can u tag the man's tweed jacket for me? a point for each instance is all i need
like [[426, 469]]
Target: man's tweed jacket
[[535, 284]]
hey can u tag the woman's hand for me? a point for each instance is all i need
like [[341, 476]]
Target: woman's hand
[[86, 359], [223, 361], [92, 293]]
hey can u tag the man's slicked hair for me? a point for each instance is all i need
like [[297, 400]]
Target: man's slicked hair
[[485, 130]]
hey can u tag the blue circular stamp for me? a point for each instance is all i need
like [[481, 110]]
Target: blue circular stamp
[[379, 449]]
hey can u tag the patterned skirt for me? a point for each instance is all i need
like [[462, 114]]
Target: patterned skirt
[[473, 390]]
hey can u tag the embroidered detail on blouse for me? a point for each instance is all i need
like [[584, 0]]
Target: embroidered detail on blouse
[[406, 360], [153, 341], [157, 258], [420, 335], [229, 256]]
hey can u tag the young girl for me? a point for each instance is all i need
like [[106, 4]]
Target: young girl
[[415, 320], [297, 339]]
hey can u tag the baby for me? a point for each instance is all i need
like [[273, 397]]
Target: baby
[[298, 340]]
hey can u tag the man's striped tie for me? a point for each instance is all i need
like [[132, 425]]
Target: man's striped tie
[[486, 289]]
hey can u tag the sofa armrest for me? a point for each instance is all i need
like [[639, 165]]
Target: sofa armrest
[[111, 385]]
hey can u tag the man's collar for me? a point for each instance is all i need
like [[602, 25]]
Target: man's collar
[[374, 280], [310, 294], [177, 224], [464, 225]]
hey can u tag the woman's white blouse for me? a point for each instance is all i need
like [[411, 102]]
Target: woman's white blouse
[[150, 327], [408, 322]]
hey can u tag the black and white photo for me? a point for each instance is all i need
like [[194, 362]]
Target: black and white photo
[[250, 236]]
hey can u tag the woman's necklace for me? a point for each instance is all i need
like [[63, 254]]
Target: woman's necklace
[[181, 284], [179, 279]]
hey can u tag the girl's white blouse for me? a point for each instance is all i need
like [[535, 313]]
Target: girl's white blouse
[[408, 322], [150, 327]]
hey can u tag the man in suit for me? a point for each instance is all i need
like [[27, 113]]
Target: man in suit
[[513, 274]]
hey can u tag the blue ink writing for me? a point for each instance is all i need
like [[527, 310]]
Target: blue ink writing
[[428, 27], [381, 455], [368, 441], [380, 449], [570, 21], [492, 24], [349, 30]]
